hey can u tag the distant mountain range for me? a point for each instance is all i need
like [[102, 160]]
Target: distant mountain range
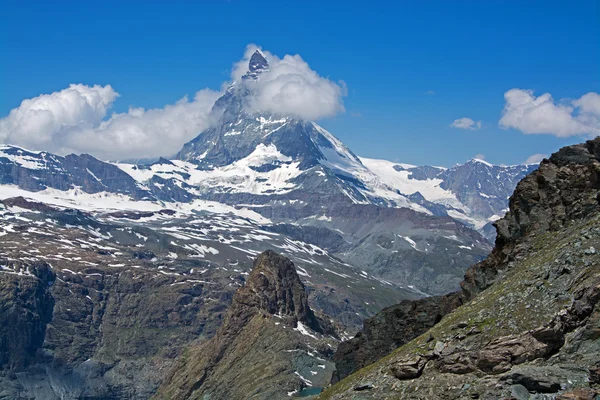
[[412, 225]]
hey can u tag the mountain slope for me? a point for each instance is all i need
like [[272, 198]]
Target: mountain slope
[[38, 171], [294, 172], [531, 319], [323, 198]]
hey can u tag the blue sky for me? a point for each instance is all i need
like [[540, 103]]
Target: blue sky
[[389, 54]]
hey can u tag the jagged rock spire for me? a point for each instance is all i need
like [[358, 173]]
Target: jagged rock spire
[[258, 62], [274, 287]]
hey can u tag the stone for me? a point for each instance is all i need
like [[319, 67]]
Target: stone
[[438, 348], [389, 329], [520, 392], [409, 369], [590, 251], [364, 386], [595, 374], [534, 382]]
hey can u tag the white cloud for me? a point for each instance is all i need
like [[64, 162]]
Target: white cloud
[[466, 123], [73, 120], [37, 121], [141, 133], [290, 87], [479, 156], [535, 158], [76, 119], [430, 93], [541, 115]]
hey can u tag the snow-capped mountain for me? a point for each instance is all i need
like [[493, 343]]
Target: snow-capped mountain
[[405, 224], [264, 154], [475, 193], [319, 206]]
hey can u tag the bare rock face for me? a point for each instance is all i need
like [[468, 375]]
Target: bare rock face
[[564, 188], [265, 336], [275, 288], [25, 309]]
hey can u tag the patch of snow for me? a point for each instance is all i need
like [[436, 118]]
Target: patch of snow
[[304, 330], [430, 188], [306, 381]]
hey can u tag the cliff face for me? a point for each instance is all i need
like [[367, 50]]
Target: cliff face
[[25, 309], [133, 289], [83, 329], [269, 341], [530, 323]]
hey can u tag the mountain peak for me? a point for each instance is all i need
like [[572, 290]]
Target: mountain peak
[[480, 161], [258, 63], [274, 287]]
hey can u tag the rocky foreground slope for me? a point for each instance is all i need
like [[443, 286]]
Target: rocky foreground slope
[[271, 344], [529, 327]]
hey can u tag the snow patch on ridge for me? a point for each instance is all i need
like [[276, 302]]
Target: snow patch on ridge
[[22, 159], [241, 176], [104, 201], [430, 188], [342, 161]]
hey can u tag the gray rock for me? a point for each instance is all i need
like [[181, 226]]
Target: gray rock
[[590, 251], [520, 392]]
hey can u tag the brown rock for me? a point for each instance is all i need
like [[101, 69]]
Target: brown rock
[[248, 343], [410, 369], [578, 394]]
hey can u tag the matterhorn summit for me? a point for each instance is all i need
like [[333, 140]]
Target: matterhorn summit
[[258, 63]]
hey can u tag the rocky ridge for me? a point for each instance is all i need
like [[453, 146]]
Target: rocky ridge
[[269, 340], [530, 324], [390, 329]]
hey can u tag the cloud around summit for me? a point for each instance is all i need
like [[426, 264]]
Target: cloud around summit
[[290, 87], [77, 119]]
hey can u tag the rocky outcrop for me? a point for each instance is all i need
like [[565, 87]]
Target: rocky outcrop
[[275, 288], [388, 330], [564, 188], [97, 332], [255, 353], [530, 318]]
